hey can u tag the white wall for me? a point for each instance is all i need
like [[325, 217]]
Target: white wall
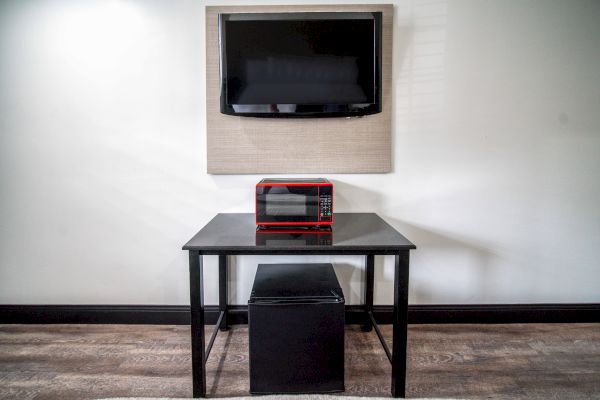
[[496, 149]]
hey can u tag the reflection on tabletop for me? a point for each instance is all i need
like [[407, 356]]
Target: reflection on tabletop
[[292, 237]]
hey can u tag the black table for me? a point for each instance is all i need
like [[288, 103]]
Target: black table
[[352, 233]]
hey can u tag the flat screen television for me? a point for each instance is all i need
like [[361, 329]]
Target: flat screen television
[[314, 64]]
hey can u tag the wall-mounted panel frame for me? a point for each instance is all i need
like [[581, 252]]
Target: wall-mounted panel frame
[[243, 145]]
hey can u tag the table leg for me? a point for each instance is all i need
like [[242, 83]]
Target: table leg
[[400, 324], [369, 284], [223, 267], [197, 314]]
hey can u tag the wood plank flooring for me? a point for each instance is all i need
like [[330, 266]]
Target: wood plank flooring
[[532, 361]]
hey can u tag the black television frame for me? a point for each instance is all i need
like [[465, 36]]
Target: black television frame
[[306, 110]]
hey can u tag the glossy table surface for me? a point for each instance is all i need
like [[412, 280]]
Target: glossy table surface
[[359, 233]]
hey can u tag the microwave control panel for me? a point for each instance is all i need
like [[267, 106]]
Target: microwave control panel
[[325, 203]]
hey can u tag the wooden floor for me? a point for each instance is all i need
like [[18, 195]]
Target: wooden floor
[[533, 361]]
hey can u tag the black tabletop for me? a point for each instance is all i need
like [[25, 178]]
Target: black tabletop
[[351, 233]]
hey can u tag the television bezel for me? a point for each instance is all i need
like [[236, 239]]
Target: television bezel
[[310, 110]]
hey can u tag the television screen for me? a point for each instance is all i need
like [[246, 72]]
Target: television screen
[[300, 64]]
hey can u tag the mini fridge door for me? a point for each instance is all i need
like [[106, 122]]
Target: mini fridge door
[[296, 330]]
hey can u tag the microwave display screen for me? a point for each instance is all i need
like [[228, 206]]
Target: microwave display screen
[[286, 204]]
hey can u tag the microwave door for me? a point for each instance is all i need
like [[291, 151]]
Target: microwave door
[[287, 204]]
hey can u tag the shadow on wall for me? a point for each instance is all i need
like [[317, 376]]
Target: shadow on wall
[[401, 39], [347, 274], [359, 199], [433, 263], [419, 74], [428, 271]]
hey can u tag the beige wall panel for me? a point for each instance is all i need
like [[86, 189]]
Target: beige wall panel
[[242, 145]]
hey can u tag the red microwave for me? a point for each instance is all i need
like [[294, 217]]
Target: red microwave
[[294, 202]]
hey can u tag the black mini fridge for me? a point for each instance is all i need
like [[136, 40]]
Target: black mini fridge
[[296, 330]]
